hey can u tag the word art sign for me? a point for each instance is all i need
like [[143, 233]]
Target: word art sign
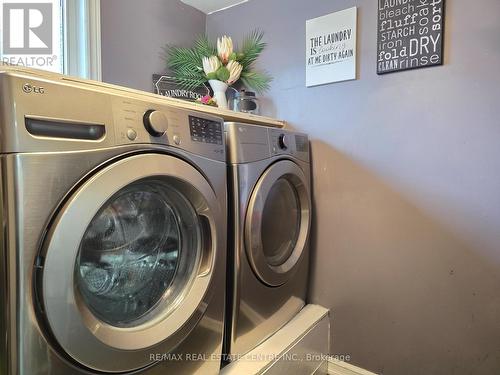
[[410, 34], [167, 86], [331, 48]]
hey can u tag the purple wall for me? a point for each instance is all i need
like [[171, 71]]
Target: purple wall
[[406, 184], [134, 32]]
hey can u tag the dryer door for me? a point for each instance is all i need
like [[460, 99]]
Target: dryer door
[[128, 262], [277, 222]]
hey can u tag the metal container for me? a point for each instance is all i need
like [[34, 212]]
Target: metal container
[[245, 101]]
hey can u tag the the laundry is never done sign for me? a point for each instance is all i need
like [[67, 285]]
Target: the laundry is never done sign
[[331, 48]]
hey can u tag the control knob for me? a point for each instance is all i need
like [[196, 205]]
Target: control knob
[[283, 141], [155, 122]]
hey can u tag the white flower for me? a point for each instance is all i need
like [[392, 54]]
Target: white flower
[[224, 48], [211, 64], [235, 69]]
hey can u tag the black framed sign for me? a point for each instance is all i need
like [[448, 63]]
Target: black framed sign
[[410, 34], [166, 86]]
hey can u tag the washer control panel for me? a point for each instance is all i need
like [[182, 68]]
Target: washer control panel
[[205, 131], [155, 122], [137, 121]]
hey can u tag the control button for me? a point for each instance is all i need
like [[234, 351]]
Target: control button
[[131, 134], [155, 122], [283, 141], [176, 139]]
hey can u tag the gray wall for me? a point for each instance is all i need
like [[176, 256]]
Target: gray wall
[[134, 32], [406, 184]]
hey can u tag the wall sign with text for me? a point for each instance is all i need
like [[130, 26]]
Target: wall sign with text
[[331, 48], [410, 34], [167, 86]]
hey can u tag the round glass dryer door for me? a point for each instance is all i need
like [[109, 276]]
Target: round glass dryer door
[[279, 237], [277, 222], [128, 262]]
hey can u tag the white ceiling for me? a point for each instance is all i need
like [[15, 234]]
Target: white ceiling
[[212, 6]]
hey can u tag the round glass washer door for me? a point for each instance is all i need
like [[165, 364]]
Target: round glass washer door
[[277, 222], [140, 249], [129, 260]]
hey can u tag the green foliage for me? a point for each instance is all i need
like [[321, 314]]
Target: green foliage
[[186, 64], [190, 82], [212, 75], [183, 60], [223, 74], [251, 48], [204, 47], [259, 82]]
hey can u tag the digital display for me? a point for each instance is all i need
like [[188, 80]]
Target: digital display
[[302, 143], [205, 131]]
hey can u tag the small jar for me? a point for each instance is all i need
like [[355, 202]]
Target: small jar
[[245, 101]]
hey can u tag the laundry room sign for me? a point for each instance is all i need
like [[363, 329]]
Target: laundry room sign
[[167, 86], [331, 48], [410, 34]]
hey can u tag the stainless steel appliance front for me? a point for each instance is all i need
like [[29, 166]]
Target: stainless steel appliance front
[[128, 260], [113, 252], [271, 216], [277, 222]]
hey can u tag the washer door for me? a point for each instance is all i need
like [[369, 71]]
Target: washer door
[[129, 260], [277, 222]]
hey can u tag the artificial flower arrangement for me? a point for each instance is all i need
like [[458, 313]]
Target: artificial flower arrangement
[[219, 65], [207, 100]]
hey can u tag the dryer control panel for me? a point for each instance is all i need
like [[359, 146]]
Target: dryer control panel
[[283, 142], [249, 143]]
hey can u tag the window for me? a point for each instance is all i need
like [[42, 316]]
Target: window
[[57, 35], [82, 38]]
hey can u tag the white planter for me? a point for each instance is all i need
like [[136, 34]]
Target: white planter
[[220, 89]]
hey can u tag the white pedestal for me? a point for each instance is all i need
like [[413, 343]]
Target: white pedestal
[[301, 347]]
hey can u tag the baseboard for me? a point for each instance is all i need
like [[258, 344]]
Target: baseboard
[[342, 368]]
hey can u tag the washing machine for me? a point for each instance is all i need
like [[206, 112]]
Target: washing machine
[[114, 231], [270, 220]]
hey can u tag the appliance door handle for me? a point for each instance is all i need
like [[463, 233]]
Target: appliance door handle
[[208, 249]]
